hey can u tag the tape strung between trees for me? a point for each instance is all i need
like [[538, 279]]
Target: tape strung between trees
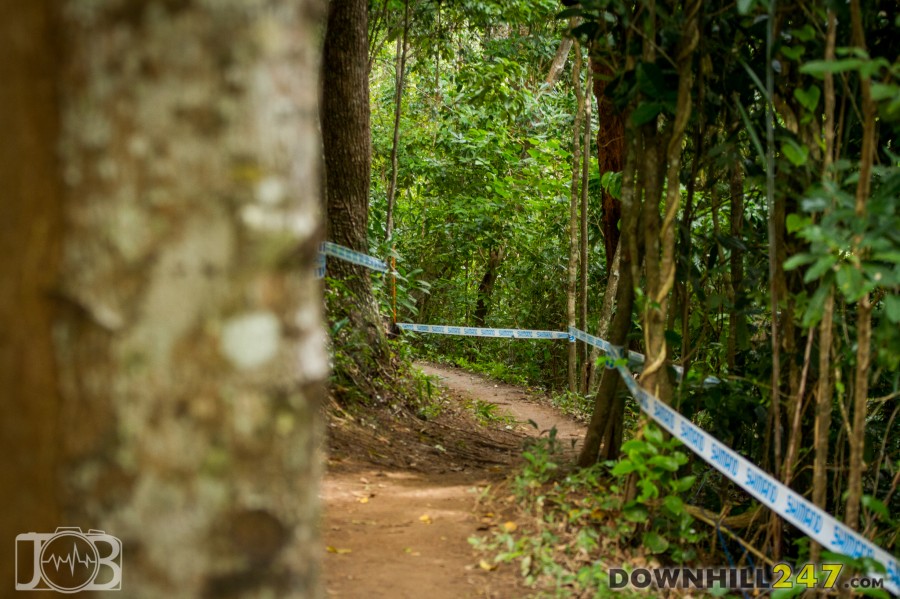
[[781, 499], [344, 253]]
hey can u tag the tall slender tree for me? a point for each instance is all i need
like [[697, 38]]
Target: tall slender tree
[[161, 361], [348, 155]]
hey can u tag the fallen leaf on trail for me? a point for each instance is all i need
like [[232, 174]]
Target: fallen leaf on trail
[[486, 566], [363, 500], [489, 514], [410, 551], [364, 480], [425, 519], [331, 549], [510, 526]]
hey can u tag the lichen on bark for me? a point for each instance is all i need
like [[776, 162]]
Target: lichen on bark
[[204, 350]]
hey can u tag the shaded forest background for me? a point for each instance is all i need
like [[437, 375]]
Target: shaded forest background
[[714, 185]]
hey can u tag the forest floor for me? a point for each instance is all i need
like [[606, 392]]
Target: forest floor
[[401, 504]]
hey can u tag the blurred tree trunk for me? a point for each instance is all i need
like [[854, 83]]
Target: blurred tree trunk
[[348, 155], [170, 393], [29, 264]]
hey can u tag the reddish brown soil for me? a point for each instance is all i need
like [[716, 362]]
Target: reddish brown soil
[[401, 495]]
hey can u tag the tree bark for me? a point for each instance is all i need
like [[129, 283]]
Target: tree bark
[[824, 400], [559, 61], [348, 154], [571, 289], [486, 286], [29, 265], [178, 408], [864, 305], [610, 158], [660, 236], [583, 235], [606, 313], [605, 410]]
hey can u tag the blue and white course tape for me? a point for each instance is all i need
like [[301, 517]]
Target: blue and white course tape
[[784, 501], [344, 253], [482, 332]]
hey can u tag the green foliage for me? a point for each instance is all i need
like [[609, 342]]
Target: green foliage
[[484, 171], [656, 467]]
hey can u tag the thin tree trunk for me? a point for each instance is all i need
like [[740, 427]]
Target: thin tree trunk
[[178, 409], [737, 324], [864, 306], [660, 239], [585, 176], [610, 158], [486, 286], [400, 73], [774, 268], [604, 404], [606, 312], [559, 61], [617, 334], [796, 413], [573, 217], [824, 400]]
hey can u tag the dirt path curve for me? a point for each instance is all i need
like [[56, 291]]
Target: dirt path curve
[[518, 402], [398, 533]]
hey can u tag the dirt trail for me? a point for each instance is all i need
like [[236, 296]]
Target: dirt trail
[[406, 529], [518, 402]]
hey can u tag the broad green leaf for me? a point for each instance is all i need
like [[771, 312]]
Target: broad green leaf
[[636, 513], [819, 68], [653, 434], [874, 505], [821, 266], [850, 282], [645, 112], [794, 152], [809, 97], [892, 308], [814, 309], [798, 260], [655, 542], [674, 504], [795, 222], [684, 483], [793, 52], [634, 445], [664, 461], [623, 467], [804, 34], [745, 6], [885, 91]]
